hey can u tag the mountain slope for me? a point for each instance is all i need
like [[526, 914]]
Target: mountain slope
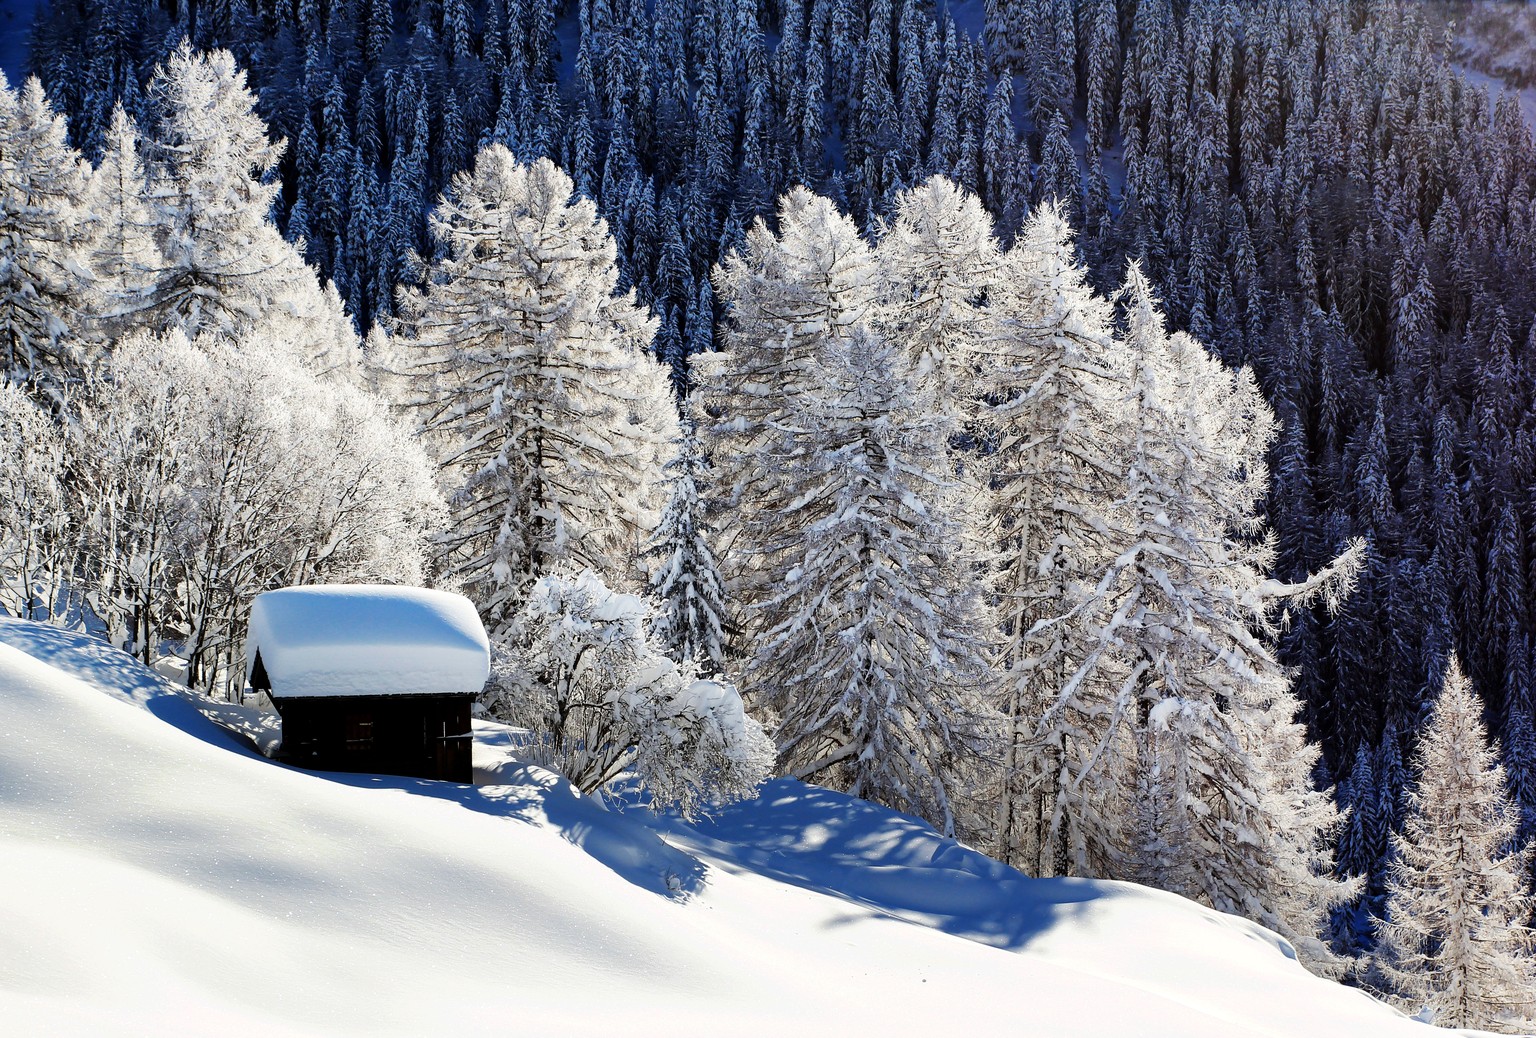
[[165, 878]]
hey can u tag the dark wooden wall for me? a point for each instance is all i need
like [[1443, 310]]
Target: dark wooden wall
[[426, 736]]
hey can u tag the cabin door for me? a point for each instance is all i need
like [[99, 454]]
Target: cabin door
[[453, 751]]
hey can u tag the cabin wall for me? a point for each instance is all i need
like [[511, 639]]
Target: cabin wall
[[425, 736]]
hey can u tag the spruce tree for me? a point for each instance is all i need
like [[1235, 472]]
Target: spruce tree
[[690, 623]]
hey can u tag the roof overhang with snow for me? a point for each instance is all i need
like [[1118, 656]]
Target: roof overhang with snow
[[366, 640]]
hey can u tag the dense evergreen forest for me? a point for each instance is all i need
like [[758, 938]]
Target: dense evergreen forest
[[1311, 187]]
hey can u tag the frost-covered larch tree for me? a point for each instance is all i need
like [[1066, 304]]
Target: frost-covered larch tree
[[44, 223], [787, 294], [1222, 804], [208, 161], [691, 621], [859, 592], [1457, 941], [124, 254], [940, 263], [528, 375], [869, 643], [1054, 378]]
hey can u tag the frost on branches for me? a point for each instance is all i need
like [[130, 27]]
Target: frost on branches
[[1224, 809], [1054, 376], [37, 543], [1154, 733], [43, 226], [851, 553], [600, 703], [1457, 941], [223, 265], [528, 375], [210, 471]]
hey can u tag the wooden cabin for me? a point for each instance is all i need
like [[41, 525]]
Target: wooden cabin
[[370, 678]]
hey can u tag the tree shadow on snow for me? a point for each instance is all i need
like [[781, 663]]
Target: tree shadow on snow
[[849, 848], [531, 794]]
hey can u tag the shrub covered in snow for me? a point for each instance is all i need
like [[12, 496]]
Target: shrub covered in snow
[[600, 702]]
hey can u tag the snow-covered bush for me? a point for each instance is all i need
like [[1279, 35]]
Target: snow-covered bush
[[601, 703]]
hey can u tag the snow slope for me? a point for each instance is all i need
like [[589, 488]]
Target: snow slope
[[165, 878]]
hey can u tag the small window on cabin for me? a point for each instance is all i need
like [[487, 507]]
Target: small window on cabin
[[359, 731]]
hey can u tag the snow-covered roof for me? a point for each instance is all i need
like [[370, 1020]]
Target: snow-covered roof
[[367, 639]]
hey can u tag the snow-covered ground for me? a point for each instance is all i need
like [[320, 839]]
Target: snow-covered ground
[[162, 877]]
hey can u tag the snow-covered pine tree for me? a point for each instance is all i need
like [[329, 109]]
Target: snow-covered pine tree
[[43, 225], [1350, 925], [691, 622], [1457, 941], [529, 377]]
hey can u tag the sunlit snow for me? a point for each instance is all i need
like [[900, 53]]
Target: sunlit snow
[[164, 878]]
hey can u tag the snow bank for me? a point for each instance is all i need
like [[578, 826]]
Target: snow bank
[[172, 884], [367, 639]]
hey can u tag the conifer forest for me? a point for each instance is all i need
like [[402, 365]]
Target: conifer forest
[[1100, 428]]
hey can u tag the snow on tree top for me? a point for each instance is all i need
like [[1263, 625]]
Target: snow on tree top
[[367, 639]]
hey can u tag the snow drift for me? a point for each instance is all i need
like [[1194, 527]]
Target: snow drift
[[165, 878]]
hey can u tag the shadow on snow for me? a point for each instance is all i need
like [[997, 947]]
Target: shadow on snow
[[834, 844]]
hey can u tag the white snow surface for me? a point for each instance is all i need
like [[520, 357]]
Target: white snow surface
[[367, 639], [166, 879]]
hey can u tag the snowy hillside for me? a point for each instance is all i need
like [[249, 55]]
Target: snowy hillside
[[166, 879]]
